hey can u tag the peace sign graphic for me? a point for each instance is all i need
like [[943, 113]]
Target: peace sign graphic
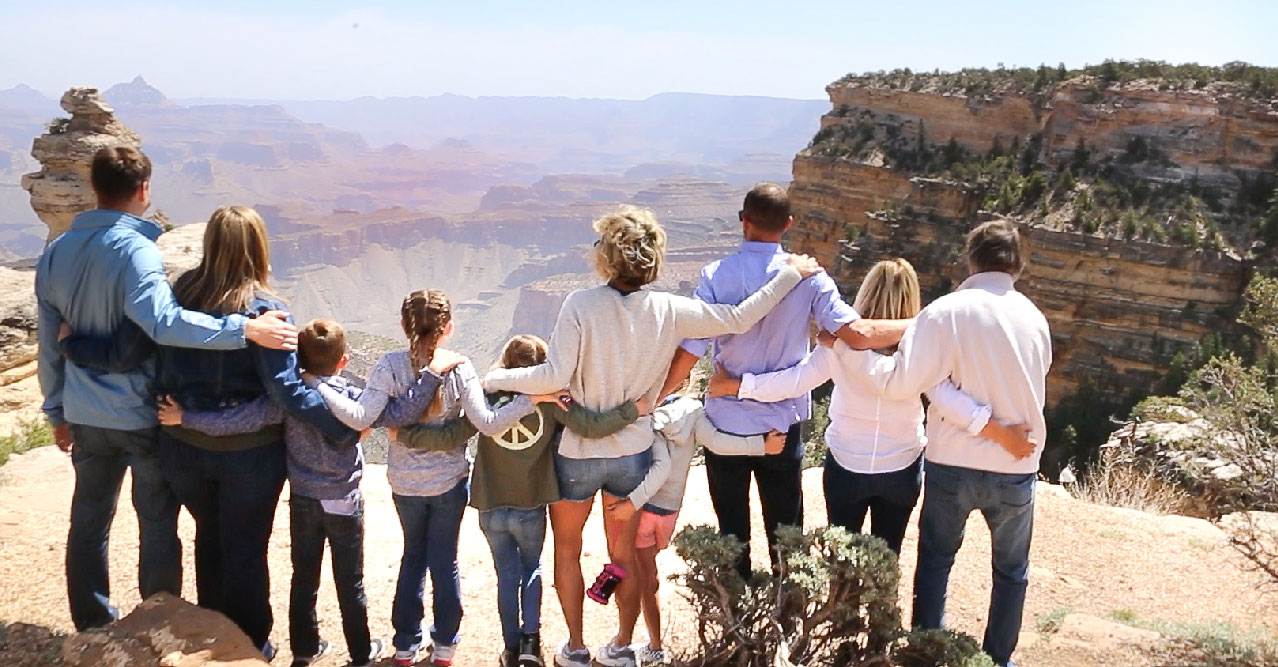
[[520, 437]]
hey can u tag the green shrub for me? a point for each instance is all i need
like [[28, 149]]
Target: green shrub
[[29, 435], [940, 648]]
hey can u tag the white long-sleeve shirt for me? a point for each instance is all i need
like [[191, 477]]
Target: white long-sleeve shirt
[[609, 348], [868, 433], [680, 425], [994, 343]]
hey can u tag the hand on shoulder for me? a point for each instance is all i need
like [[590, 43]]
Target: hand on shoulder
[[446, 360], [805, 265]]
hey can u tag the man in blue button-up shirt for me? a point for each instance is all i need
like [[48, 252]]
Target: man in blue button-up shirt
[[778, 341], [105, 269]]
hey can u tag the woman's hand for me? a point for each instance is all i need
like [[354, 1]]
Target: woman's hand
[[560, 398], [272, 330], [445, 360], [644, 406], [1015, 439], [774, 442], [64, 331], [722, 384], [805, 265], [170, 412], [826, 339]]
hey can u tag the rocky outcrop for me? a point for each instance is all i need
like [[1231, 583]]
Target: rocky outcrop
[[1119, 309], [61, 188], [168, 631]]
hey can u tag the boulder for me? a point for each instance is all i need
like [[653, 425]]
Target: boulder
[[168, 631]]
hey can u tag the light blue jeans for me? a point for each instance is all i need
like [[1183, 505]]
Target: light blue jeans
[[516, 537], [431, 526], [1007, 502]]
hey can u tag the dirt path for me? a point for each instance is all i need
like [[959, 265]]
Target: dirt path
[[1086, 558]]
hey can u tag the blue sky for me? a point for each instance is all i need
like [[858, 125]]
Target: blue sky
[[326, 49]]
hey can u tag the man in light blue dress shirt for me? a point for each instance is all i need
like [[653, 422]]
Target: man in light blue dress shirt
[[778, 341]]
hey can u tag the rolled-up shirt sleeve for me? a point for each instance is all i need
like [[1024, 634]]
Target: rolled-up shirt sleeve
[[953, 404]]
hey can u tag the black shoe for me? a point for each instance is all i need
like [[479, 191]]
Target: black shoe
[[321, 651], [375, 648], [530, 650], [268, 651], [508, 658]]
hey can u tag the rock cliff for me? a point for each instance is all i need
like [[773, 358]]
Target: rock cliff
[[61, 188], [1138, 201]]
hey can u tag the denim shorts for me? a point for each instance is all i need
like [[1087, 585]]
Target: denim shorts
[[580, 479]]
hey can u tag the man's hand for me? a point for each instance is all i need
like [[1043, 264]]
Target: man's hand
[[445, 360], [722, 384], [62, 438], [560, 398], [620, 510], [644, 406], [64, 331], [774, 442], [826, 339], [170, 412], [806, 266], [272, 331]]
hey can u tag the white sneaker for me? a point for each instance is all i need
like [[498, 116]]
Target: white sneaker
[[615, 656], [566, 657], [652, 656], [441, 655]]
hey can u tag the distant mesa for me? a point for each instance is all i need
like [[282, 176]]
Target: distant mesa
[[136, 93], [454, 143], [61, 190]]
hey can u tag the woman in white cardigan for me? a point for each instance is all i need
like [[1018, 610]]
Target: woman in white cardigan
[[611, 344], [874, 464]]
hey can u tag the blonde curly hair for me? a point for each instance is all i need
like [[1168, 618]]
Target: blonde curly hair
[[631, 247]]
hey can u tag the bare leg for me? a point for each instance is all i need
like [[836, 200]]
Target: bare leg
[[567, 520], [621, 549], [649, 584]]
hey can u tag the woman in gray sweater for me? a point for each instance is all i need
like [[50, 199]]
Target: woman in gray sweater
[[611, 344]]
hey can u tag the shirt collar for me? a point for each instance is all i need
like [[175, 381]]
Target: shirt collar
[[760, 246], [990, 281], [100, 217]]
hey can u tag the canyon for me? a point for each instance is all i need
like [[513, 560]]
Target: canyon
[[1120, 308]]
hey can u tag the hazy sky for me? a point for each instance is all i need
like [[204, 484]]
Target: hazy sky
[[326, 49]]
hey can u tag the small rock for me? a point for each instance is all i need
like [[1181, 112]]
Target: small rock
[[1103, 634]]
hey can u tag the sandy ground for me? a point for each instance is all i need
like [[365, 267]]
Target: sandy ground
[[1086, 558]]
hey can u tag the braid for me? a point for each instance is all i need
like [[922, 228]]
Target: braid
[[425, 315]]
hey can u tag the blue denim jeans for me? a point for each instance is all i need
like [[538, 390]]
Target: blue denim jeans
[[431, 527], [888, 497], [1007, 502], [310, 527], [581, 479], [516, 537], [100, 457], [232, 497]]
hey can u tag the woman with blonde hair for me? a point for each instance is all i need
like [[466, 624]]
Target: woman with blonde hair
[[875, 457], [611, 344], [231, 484]]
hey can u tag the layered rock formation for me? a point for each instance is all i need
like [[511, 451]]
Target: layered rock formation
[[1119, 309], [61, 188]]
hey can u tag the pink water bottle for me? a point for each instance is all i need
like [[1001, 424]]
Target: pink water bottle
[[606, 583]]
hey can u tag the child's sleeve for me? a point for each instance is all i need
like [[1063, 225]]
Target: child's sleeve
[[592, 424], [490, 422], [443, 437], [657, 475], [953, 404], [725, 444], [360, 413], [249, 417], [125, 351], [407, 410]]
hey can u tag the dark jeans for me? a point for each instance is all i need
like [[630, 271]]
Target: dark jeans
[[780, 481], [516, 537], [310, 527], [888, 497], [100, 457], [431, 525], [232, 497], [1007, 502]]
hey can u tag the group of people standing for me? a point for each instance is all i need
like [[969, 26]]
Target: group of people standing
[[209, 393]]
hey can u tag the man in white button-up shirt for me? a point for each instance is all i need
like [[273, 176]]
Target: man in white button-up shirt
[[993, 343]]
